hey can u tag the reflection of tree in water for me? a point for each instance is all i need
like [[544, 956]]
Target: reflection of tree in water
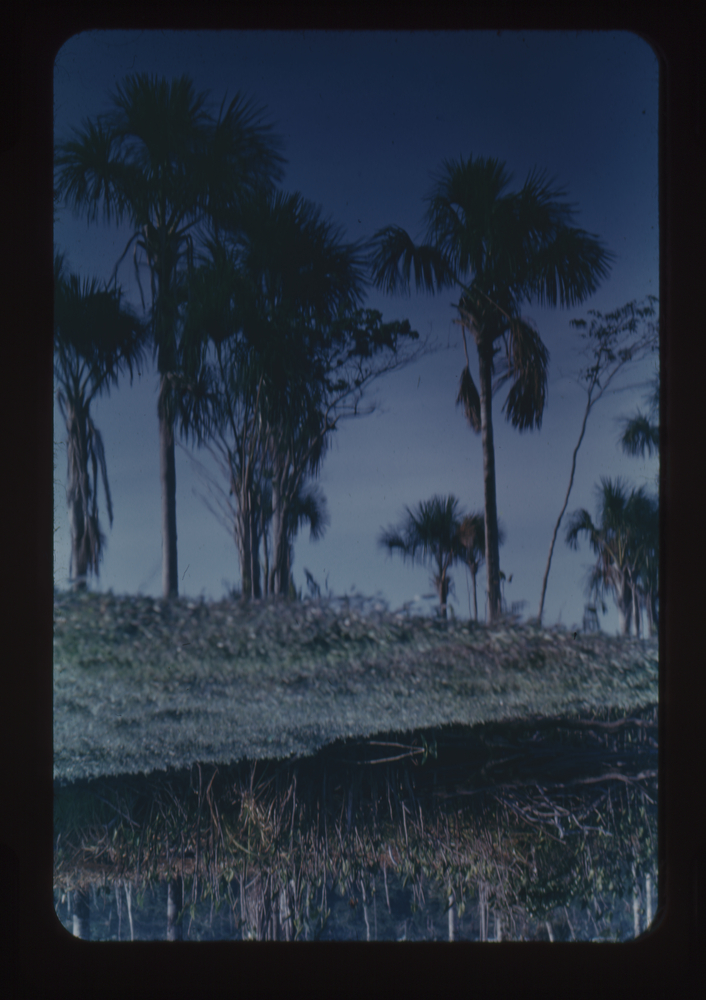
[[425, 851]]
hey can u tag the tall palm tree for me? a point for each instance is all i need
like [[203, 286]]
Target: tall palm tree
[[626, 541], [96, 336], [499, 248], [165, 163], [430, 531]]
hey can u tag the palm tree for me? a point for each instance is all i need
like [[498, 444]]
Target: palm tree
[[471, 540], [499, 248], [431, 530], [96, 337], [641, 431], [641, 435], [626, 541], [162, 161]]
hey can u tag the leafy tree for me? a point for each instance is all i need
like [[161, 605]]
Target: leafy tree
[[432, 531], [613, 341], [96, 337], [309, 506], [272, 325], [499, 248], [160, 159], [626, 541]]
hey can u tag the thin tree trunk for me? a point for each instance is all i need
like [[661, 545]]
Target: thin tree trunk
[[563, 509], [167, 475], [267, 557], [279, 572], [81, 914], [255, 556], [174, 904], [475, 596], [492, 554], [245, 536], [78, 489]]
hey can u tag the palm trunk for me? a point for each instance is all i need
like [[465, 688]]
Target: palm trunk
[[78, 489], [624, 602], [167, 475], [244, 540], [636, 610], [443, 589], [475, 598], [492, 554]]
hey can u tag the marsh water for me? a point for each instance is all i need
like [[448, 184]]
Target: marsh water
[[531, 831], [386, 910]]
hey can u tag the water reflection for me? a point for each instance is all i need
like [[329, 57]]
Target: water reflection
[[342, 848], [125, 911]]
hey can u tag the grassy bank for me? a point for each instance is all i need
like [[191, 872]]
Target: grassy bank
[[143, 685]]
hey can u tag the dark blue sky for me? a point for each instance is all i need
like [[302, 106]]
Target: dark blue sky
[[366, 118]]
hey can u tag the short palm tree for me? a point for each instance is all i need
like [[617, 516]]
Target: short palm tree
[[432, 531], [641, 432], [499, 248], [162, 161], [471, 539], [95, 337], [626, 541]]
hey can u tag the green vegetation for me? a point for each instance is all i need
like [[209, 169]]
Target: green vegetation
[[141, 684]]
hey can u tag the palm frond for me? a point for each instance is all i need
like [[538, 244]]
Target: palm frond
[[88, 172], [393, 255], [640, 436], [566, 268], [469, 397], [527, 363]]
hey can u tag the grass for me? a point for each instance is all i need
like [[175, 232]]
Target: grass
[[144, 685]]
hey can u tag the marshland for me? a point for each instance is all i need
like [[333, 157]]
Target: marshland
[[326, 770]]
